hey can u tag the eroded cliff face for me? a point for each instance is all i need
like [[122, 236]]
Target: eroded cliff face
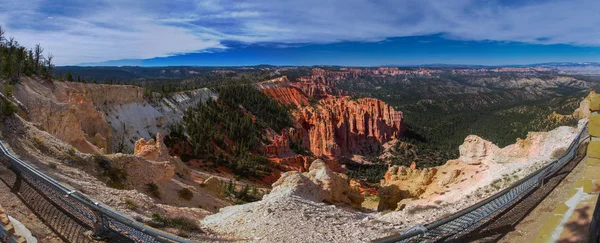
[[144, 118], [340, 126], [100, 118], [284, 91], [334, 126], [68, 111]]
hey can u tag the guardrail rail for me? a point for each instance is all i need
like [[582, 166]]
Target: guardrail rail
[[96, 216], [450, 228]]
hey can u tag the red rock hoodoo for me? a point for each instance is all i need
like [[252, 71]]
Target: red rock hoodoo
[[334, 126]]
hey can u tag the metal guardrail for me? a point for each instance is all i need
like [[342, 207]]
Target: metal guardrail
[[94, 215], [450, 228]]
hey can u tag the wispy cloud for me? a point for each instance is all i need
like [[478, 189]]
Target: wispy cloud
[[80, 31]]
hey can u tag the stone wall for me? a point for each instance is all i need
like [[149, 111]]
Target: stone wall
[[7, 230]]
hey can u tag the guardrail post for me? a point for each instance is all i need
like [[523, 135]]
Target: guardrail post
[[18, 182], [99, 229]]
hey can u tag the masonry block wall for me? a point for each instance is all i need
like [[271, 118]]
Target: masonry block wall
[[7, 230]]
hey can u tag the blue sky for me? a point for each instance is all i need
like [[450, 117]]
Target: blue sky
[[308, 32]]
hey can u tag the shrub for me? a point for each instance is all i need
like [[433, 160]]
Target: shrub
[[8, 108], [182, 223], [71, 151], [8, 90], [130, 204], [153, 190], [37, 141], [185, 194], [559, 152], [116, 178]]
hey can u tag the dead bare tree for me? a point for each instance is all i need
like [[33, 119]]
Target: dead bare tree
[[49, 66], [2, 32], [38, 50]]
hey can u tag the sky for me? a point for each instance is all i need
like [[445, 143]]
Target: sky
[[307, 32]]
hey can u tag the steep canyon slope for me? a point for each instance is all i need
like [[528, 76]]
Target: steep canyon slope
[[99, 118]]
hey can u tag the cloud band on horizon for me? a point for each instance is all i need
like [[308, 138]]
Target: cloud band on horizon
[[78, 31]]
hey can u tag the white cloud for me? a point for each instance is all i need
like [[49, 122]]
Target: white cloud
[[78, 31]]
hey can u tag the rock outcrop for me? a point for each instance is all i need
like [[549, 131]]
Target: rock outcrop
[[141, 171], [69, 112], [150, 163], [402, 182], [476, 149], [335, 185], [152, 150], [212, 184], [9, 231], [294, 183], [318, 184], [584, 107], [537, 145]]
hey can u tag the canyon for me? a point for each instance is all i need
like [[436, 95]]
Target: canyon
[[84, 134]]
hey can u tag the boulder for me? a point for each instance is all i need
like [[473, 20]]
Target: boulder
[[212, 184], [476, 149], [141, 171], [318, 184], [293, 183], [336, 185]]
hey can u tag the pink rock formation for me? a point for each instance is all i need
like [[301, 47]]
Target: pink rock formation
[[150, 163], [280, 143], [339, 126], [284, 91], [331, 128], [152, 150]]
